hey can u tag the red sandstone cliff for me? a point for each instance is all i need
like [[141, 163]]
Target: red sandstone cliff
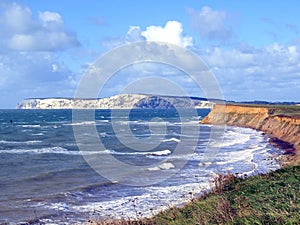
[[267, 119]]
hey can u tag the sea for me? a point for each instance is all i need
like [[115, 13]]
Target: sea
[[51, 174]]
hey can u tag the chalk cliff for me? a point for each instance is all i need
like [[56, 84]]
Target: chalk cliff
[[123, 101], [277, 122]]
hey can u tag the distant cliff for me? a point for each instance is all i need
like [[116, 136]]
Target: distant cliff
[[123, 101], [278, 122]]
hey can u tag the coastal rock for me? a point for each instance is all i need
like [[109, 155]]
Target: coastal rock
[[267, 119], [122, 101]]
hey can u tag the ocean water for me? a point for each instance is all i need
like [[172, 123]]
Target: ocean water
[[46, 177]]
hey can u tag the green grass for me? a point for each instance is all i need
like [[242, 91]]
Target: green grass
[[272, 198], [287, 110], [265, 199]]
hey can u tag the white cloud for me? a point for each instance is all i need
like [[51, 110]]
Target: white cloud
[[42, 41], [134, 34], [269, 73], [21, 31], [29, 64], [16, 19], [244, 72], [50, 17], [33, 74], [54, 67], [211, 24], [171, 33]]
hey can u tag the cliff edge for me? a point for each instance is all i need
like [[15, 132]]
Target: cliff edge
[[279, 122], [122, 101]]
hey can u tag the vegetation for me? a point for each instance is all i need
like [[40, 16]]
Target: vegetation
[[287, 110], [264, 199]]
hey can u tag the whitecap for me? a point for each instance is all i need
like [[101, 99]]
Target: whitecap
[[102, 121], [231, 138], [163, 166], [52, 150], [159, 153], [80, 123], [37, 134], [20, 142], [55, 150], [30, 125], [171, 139], [156, 153]]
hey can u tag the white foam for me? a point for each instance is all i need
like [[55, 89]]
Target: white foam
[[171, 139], [53, 150], [20, 142], [81, 123], [102, 121], [163, 166], [61, 150], [238, 155], [153, 200], [160, 153], [103, 134], [30, 125], [231, 138], [156, 153], [37, 134]]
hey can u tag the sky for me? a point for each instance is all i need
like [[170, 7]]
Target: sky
[[251, 47]]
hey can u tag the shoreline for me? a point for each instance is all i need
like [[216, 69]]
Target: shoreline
[[289, 154], [281, 124], [283, 132]]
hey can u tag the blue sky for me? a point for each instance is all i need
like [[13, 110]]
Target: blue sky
[[251, 47]]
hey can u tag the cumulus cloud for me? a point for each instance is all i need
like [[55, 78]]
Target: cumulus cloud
[[33, 74], [268, 73], [172, 33], [211, 24], [134, 34], [50, 17], [29, 64], [243, 71], [21, 31], [32, 68]]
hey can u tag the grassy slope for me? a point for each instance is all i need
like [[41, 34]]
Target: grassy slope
[[265, 199]]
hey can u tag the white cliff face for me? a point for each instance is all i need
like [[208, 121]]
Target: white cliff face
[[123, 101]]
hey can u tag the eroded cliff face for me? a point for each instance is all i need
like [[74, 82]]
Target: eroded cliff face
[[283, 127]]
